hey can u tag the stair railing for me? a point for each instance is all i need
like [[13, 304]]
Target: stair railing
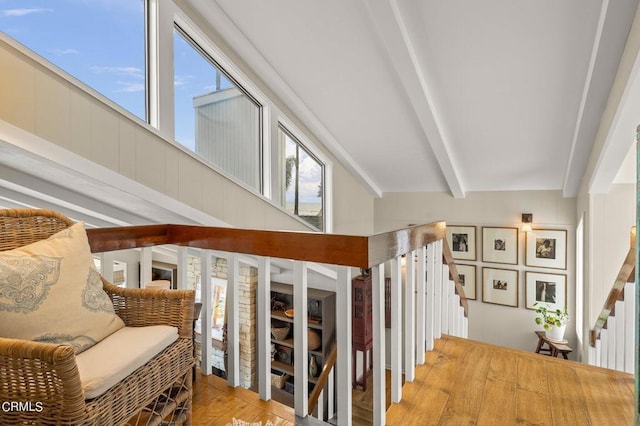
[[434, 301], [612, 337]]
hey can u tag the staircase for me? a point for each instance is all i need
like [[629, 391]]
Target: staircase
[[612, 339]]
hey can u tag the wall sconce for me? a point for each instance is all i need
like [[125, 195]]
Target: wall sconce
[[527, 220]]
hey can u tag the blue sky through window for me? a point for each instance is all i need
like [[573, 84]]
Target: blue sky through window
[[100, 42]]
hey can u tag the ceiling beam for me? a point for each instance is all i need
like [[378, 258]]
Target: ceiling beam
[[394, 36], [609, 42], [621, 134]]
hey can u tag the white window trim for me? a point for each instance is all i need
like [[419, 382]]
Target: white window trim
[[327, 196]]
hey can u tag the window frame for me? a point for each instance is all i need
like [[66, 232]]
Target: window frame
[[188, 39], [290, 129]]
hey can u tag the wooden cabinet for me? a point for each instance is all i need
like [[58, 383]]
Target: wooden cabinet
[[362, 327], [321, 310]]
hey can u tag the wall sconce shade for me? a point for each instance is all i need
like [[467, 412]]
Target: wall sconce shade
[[527, 220]]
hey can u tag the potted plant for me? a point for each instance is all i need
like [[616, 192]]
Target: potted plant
[[554, 322]]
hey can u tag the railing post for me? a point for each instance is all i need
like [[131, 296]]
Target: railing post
[[263, 330], [300, 351], [233, 321], [379, 346], [430, 297], [206, 297], [410, 318], [421, 307], [396, 331], [344, 341]]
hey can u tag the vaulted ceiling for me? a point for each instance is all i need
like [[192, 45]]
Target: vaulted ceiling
[[433, 95], [415, 95]]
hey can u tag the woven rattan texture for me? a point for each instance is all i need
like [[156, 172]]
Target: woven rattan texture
[[44, 378]]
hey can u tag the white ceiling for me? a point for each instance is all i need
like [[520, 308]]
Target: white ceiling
[[409, 95], [432, 95]]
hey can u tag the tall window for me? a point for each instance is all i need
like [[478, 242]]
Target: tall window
[[303, 181], [101, 43], [214, 116]]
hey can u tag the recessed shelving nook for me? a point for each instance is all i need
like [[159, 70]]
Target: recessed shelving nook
[[321, 307]]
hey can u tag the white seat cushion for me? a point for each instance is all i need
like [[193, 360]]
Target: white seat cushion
[[120, 354]]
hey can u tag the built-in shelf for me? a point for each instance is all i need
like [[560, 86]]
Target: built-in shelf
[[321, 318]]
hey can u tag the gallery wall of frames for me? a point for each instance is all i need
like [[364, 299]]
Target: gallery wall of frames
[[488, 263]]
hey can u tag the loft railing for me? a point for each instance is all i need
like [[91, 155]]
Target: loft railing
[[612, 336], [433, 303]]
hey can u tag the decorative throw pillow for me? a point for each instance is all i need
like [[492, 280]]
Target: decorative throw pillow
[[51, 292]]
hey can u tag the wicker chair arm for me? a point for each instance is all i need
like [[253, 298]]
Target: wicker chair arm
[[143, 307], [43, 375]]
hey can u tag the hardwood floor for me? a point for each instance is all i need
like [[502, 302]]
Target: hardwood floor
[[466, 382], [463, 382], [216, 404]]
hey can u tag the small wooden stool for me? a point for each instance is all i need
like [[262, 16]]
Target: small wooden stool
[[553, 347]]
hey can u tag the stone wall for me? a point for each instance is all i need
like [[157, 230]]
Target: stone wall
[[247, 284]]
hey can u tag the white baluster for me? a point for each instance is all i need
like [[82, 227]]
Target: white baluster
[[182, 261], [263, 327], [591, 355], [630, 324], [620, 343], [145, 265], [604, 348], [332, 407], [421, 306], [396, 330], [233, 320], [206, 297], [320, 406], [300, 352], [430, 297], [106, 265], [437, 300], [598, 352], [444, 304], [379, 375], [611, 343], [410, 318], [344, 342]]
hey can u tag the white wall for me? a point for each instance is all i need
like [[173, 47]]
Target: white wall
[[500, 325]]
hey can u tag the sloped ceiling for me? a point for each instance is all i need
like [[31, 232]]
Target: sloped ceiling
[[430, 95]]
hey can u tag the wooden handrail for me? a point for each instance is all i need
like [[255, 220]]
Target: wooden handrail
[[626, 274], [346, 250], [322, 379]]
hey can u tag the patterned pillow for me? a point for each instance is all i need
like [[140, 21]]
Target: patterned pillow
[[51, 292]]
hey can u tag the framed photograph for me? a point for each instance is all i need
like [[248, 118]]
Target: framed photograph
[[548, 289], [500, 245], [500, 286], [546, 248], [467, 274], [462, 240]]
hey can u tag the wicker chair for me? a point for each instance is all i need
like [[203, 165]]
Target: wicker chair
[[46, 374]]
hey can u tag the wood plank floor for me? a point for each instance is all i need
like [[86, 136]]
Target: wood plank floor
[[463, 382]]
